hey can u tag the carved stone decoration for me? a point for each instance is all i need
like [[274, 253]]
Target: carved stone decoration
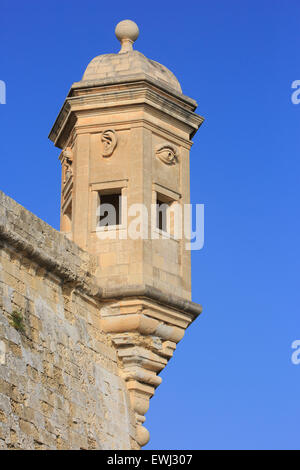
[[109, 142], [145, 335], [167, 154], [67, 161]]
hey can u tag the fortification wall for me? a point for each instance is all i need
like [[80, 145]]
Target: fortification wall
[[59, 381]]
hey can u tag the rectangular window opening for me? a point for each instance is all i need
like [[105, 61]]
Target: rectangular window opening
[[163, 204], [109, 208]]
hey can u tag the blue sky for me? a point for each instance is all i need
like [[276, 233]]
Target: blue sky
[[232, 384]]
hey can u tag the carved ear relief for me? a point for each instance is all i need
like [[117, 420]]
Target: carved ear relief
[[167, 154], [109, 142]]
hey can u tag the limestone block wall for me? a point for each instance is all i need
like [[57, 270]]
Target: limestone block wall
[[59, 381]]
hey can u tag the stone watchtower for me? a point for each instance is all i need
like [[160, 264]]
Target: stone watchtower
[[125, 132]]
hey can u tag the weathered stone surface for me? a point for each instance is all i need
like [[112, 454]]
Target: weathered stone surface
[[59, 382]]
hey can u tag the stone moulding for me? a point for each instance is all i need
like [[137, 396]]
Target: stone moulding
[[145, 335], [171, 300], [139, 92]]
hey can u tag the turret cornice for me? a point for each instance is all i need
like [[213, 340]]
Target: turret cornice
[[95, 99]]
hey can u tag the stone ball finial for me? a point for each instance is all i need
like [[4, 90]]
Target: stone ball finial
[[127, 32]]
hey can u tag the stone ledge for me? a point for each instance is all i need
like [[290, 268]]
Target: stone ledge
[[152, 293], [132, 78]]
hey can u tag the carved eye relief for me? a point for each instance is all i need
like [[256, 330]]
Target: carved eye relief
[[167, 154], [66, 156], [109, 142]]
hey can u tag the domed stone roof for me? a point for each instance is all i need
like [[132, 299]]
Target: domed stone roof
[[128, 63], [117, 66]]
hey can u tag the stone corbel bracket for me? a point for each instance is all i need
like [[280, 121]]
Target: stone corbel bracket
[[145, 335]]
